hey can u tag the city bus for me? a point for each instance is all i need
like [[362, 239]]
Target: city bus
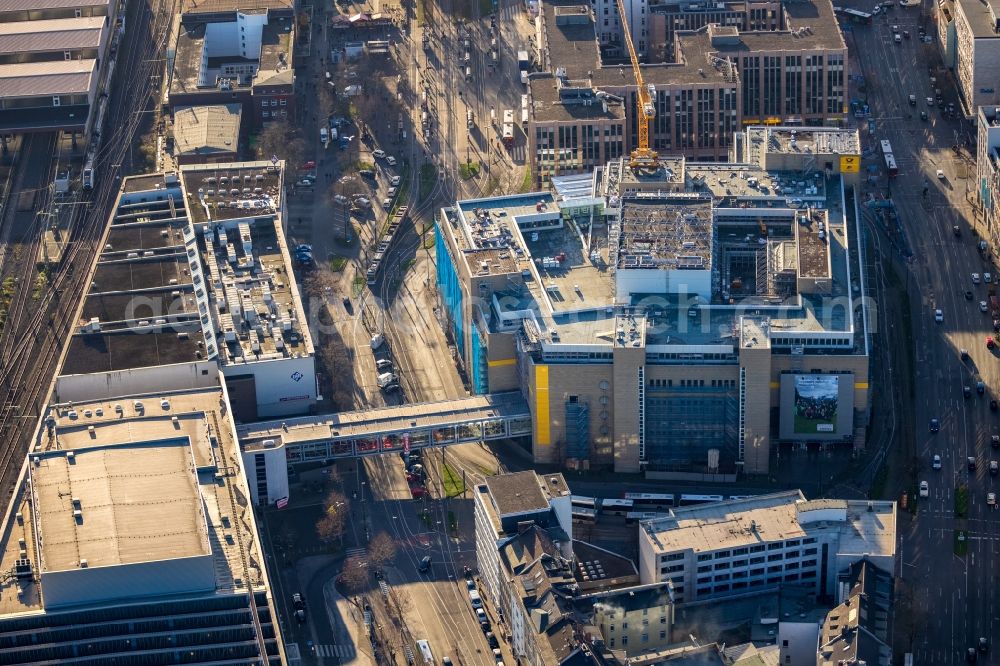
[[857, 15], [508, 127]]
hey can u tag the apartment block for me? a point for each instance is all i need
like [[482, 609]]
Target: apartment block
[[970, 37], [988, 169], [505, 502], [726, 548]]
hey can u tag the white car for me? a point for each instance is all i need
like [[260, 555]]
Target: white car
[[362, 201], [940, 174], [975, 278], [394, 180], [378, 153], [982, 306], [925, 490], [386, 204], [936, 462], [987, 278], [390, 160], [391, 192], [991, 499], [938, 316], [341, 199]]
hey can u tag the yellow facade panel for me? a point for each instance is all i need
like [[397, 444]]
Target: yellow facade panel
[[543, 429]]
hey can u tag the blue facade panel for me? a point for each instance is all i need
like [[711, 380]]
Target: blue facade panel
[[450, 290]]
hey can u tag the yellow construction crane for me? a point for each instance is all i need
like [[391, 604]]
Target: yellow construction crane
[[642, 156]]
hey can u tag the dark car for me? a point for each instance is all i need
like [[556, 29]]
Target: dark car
[[300, 616], [347, 304], [971, 656], [972, 464], [966, 391], [367, 173], [298, 601], [964, 354], [980, 387], [968, 294], [492, 639], [995, 441], [993, 404], [923, 115], [425, 564], [984, 645], [935, 425]]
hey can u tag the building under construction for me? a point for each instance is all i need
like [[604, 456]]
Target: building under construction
[[683, 320]]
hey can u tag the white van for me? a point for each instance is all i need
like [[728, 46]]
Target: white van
[[324, 135], [474, 597], [425, 651]]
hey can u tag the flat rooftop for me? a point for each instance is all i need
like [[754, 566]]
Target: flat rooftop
[[547, 105], [230, 191], [138, 502], [519, 492], [195, 7], [55, 34], [668, 232], [56, 77], [800, 140], [91, 353], [980, 16], [775, 517], [401, 418], [248, 266], [147, 487], [194, 73]]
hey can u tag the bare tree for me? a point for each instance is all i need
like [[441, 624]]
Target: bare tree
[[318, 281], [332, 525], [354, 576], [280, 139], [381, 550]]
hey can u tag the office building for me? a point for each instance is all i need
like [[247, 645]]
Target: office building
[[668, 18], [715, 70], [656, 321], [789, 77], [229, 52], [725, 548], [969, 34]]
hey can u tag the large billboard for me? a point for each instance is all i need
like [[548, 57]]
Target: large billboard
[[816, 407]]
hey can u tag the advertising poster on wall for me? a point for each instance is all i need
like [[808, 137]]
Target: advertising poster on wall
[[816, 403]]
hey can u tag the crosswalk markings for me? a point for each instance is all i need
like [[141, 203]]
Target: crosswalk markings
[[343, 651]]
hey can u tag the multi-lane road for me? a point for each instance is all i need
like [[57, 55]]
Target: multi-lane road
[[951, 592]]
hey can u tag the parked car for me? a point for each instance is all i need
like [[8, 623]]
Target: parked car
[[390, 160], [476, 600], [383, 364], [378, 153]]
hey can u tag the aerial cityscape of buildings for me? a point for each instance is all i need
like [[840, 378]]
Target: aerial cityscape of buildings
[[620, 333]]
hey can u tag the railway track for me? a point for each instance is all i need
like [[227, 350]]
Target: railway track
[[30, 349]]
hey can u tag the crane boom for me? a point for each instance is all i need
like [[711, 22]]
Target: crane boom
[[642, 155]]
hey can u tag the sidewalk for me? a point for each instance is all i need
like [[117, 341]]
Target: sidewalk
[[347, 621]]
